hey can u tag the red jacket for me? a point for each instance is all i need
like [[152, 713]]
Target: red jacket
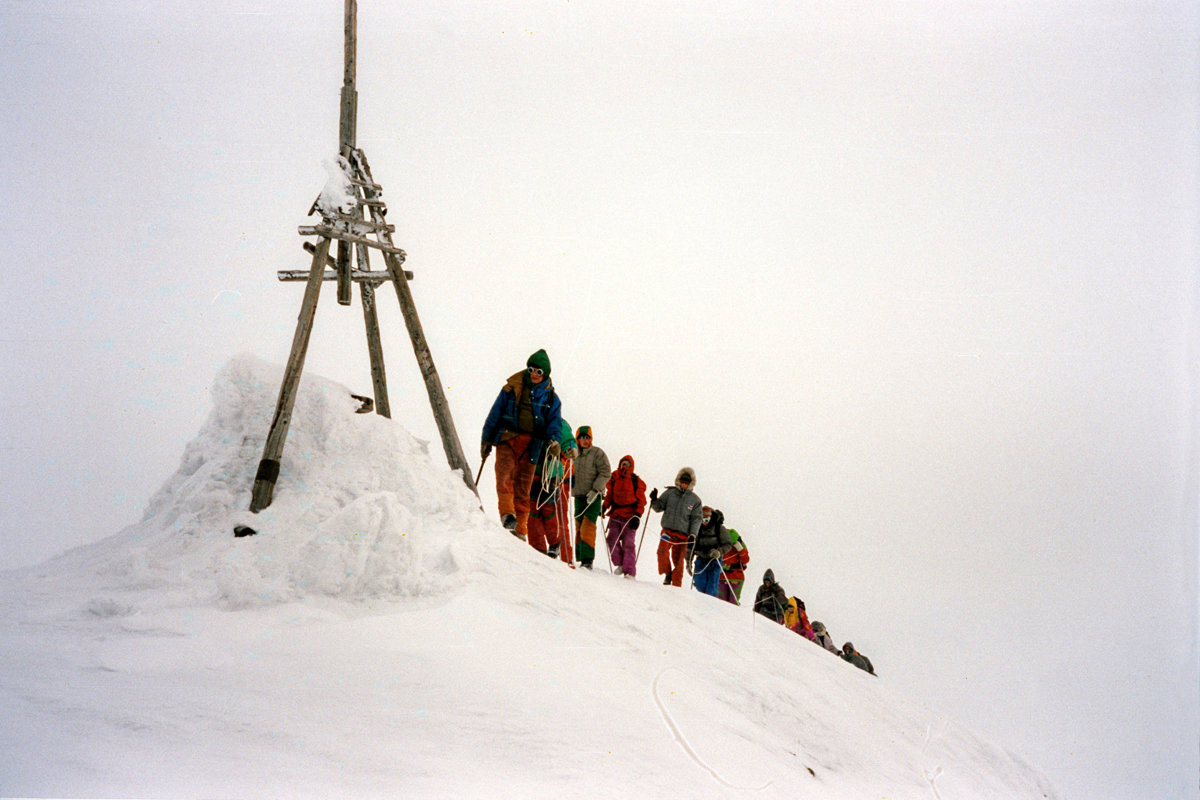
[[734, 562], [625, 493]]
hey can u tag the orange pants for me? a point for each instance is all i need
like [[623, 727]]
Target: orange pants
[[544, 531], [514, 477], [672, 555]]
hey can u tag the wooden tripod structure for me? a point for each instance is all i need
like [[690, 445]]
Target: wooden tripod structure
[[360, 233]]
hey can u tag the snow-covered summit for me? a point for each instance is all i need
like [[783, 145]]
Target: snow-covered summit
[[382, 636], [354, 490]]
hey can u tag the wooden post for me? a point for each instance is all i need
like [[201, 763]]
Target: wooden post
[[342, 267], [352, 235], [268, 467], [348, 128], [433, 384], [347, 134], [374, 348]]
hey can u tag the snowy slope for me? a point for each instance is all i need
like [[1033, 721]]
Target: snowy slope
[[382, 637]]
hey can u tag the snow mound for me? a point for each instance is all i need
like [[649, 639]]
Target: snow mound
[[360, 510]]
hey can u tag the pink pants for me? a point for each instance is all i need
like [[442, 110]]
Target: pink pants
[[622, 544]]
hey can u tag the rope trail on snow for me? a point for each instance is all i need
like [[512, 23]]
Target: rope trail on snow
[[931, 775], [683, 743]]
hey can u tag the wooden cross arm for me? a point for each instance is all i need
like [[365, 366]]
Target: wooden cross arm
[[330, 233], [358, 225], [288, 274], [358, 276]]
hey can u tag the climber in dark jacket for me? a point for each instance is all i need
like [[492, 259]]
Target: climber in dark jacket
[[856, 658], [771, 600], [712, 543], [524, 426]]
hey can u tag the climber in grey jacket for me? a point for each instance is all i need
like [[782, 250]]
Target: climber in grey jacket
[[592, 471], [681, 518]]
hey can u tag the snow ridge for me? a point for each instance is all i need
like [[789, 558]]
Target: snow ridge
[[378, 604]]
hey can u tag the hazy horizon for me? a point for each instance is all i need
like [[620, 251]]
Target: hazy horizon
[[911, 286]]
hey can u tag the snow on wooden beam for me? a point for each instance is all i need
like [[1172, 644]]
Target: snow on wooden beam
[[330, 233]]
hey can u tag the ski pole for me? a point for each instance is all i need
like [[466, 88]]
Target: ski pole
[[608, 548], [645, 514], [481, 463], [729, 586]]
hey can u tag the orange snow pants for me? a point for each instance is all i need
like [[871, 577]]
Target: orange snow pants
[[514, 477], [672, 553]]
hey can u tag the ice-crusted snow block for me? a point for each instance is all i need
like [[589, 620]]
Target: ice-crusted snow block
[[338, 195]]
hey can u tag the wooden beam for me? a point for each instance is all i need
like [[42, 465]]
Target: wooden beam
[[433, 384], [360, 225], [346, 225], [374, 187], [348, 123], [377, 276], [330, 233], [342, 270], [268, 467], [373, 278], [374, 347]]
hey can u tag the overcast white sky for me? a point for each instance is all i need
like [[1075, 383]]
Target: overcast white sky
[[912, 286]]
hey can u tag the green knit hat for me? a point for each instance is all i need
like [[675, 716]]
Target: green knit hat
[[584, 430], [734, 536], [541, 361]]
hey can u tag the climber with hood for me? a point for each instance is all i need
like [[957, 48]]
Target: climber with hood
[[856, 658], [795, 619], [822, 637], [771, 600], [624, 503], [712, 543], [681, 518]]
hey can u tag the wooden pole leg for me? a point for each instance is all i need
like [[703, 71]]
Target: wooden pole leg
[[374, 347], [268, 467], [433, 384]]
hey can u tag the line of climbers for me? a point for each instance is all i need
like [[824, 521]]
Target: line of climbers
[[774, 603], [541, 467]]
